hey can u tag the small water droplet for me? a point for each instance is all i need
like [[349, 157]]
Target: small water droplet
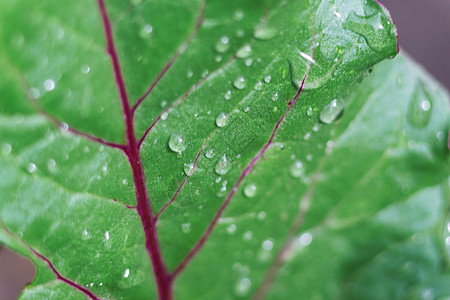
[[305, 239], [189, 73], [223, 165], [6, 149], [258, 86], [188, 169], [419, 109], [31, 168], [332, 111], [146, 31], [177, 143], [126, 274], [218, 58], [205, 73], [164, 116], [242, 287], [261, 215], [186, 227], [240, 83], [309, 157], [107, 236], [227, 95], [297, 169], [309, 111], [34, 93], [238, 15], [240, 33], [51, 164], [307, 136], [248, 236], [250, 190], [221, 120], [124, 181], [85, 69], [209, 153], [275, 96], [245, 51], [267, 245], [246, 109], [248, 62], [163, 103], [222, 45], [267, 79], [231, 229], [85, 235], [265, 33], [49, 85]]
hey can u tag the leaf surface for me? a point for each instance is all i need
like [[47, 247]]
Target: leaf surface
[[194, 150]]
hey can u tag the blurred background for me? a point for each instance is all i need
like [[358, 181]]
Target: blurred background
[[424, 32]]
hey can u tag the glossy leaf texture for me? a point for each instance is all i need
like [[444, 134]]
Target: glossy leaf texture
[[220, 150]]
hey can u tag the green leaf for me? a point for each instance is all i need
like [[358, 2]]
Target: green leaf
[[220, 150]]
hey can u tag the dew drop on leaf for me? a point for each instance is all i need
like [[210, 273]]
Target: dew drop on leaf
[[297, 169], [146, 31], [218, 58], [227, 95], [240, 33], [238, 15], [221, 120], [267, 245], [267, 79], [188, 169], [309, 111], [6, 149], [85, 69], [31, 168], [245, 51], [265, 33], [51, 165], [242, 287], [49, 85], [248, 235], [332, 111], [250, 190], [209, 153], [164, 116], [240, 83], [177, 143], [223, 165], [186, 227], [222, 45], [189, 73], [231, 229], [248, 62], [258, 85], [126, 274], [420, 107]]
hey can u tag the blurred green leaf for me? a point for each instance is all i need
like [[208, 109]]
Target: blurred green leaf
[[266, 133]]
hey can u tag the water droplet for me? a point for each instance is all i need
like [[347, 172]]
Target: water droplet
[[85, 235], [250, 190], [107, 236], [243, 287], [209, 153], [267, 79], [309, 111], [309, 157], [85, 69], [189, 73], [49, 85], [34, 93], [51, 164], [222, 45], [221, 120], [231, 229], [307, 136], [126, 273], [6, 149], [246, 109], [163, 103], [124, 181], [305, 239], [261, 215], [240, 83], [267, 245], [205, 73], [248, 62], [332, 111], [223, 165], [146, 31], [177, 143], [164, 116], [275, 96], [258, 86], [188, 169], [186, 227], [248, 236], [265, 33], [419, 110], [245, 51], [218, 58], [238, 15], [240, 33], [297, 169], [31, 168], [227, 95]]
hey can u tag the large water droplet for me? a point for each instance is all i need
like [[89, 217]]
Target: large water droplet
[[146, 31], [245, 51], [297, 169], [223, 165], [420, 107], [240, 83], [332, 111], [222, 45], [221, 120], [250, 190], [49, 85], [177, 143], [188, 169], [265, 33]]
